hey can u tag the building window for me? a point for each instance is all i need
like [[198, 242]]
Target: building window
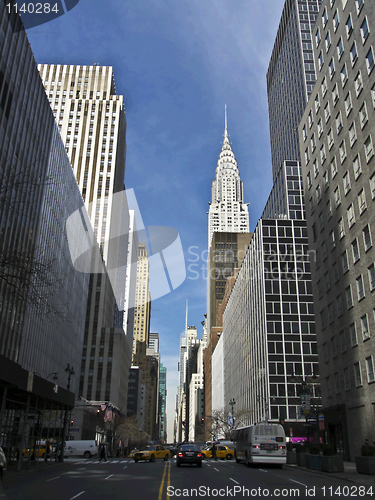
[[324, 17], [324, 86], [336, 20], [343, 341], [308, 180], [304, 132], [362, 201], [370, 369], [372, 186], [345, 262], [324, 250], [317, 37], [364, 30], [315, 168], [317, 103], [328, 41], [363, 117], [359, 5], [357, 167], [321, 221], [331, 68], [347, 383], [358, 83], [337, 383], [349, 297], [369, 150], [323, 153], [337, 196], [331, 317], [332, 239], [320, 127], [346, 182], [357, 374], [353, 53], [340, 48], [330, 139], [353, 334], [348, 103], [307, 155], [320, 60], [360, 287], [371, 276], [341, 228], [364, 327], [336, 274], [344, 75], [349, 26], [318, 193], [329, 209], [313, 142], [370, 60], [310, 119], [339, 306], [325, 180], [367, 241], [335, 94], [355, 251], [338, 120], [342, 151], [352, 134]]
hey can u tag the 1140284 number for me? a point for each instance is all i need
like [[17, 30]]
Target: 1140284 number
[[347, 491], [33, 8]]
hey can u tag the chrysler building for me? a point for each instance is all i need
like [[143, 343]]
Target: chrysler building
[[228, 213]]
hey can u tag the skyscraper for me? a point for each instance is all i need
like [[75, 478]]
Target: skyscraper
[[290, 78], [227, 213], [337, 135], [91, 119]]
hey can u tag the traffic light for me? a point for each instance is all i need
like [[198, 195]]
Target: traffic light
[[71, 423], [98, 411], [202, 420]]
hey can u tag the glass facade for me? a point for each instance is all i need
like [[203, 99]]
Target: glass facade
[[290, 78]]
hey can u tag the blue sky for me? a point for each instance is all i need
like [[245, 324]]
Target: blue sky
[[177, 64]]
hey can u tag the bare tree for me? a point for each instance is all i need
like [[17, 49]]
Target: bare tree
[[30, 276], [219, 422]]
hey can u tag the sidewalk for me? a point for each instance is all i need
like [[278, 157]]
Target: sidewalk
[[350, 474]]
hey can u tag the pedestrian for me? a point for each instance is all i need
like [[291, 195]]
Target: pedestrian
[[102, 454], [214, 451]]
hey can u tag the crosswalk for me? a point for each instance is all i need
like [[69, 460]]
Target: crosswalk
[[109, 461]]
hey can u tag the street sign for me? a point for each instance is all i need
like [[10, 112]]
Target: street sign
[[305, 401], [230, 420]]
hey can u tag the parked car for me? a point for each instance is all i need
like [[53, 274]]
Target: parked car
[[222, 452], [38, 451], [86, 447], [151, 453], [189, 454]]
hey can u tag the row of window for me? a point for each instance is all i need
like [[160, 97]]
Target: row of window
[[342, 381], [330, 348]]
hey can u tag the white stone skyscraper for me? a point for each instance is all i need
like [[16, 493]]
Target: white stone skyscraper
[[228, 213]]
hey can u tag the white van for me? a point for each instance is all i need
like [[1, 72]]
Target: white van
[[87, 448]]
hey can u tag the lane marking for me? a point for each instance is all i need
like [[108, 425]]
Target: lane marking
[[162, 481], [114, 461], [216, 469], [234, 480], [125, 466], [298, 482], [57, 477], [263, 470], [109, 476], [79, 494], [169, 477]]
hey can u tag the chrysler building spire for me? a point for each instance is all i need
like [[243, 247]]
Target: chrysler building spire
[[227, 212]]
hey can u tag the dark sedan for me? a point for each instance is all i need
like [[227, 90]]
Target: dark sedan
[[189, 454]]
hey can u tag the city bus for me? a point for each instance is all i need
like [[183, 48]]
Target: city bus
[[262, 443]]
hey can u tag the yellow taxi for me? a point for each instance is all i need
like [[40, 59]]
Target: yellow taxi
[[222, 452], [38, 451], [151, 453]]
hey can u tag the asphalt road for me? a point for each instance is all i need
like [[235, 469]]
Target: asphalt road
[[125, 479]]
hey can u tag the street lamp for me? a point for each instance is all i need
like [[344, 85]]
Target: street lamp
[[70, 371], [232, 403], [266, 406]]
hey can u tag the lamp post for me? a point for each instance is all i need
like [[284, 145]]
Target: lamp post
[[70, 371], [232, 403]]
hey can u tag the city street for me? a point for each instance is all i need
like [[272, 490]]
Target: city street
[[123, 478]]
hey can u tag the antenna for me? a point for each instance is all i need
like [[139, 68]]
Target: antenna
[[226, 120], [186, 317]]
